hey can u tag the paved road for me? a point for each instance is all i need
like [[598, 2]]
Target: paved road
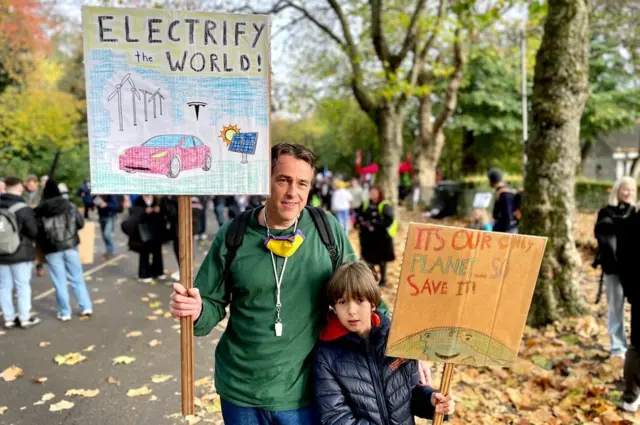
[[122, 305]]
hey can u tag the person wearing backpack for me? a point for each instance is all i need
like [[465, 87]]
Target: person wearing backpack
[[108, 207], [377, 226], [271, 265], [506, 208], [18, 230], [59, 221]]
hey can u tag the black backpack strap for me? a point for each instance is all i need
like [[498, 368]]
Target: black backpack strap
[[326, 233], [233, 241]]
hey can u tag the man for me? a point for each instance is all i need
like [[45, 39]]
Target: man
[[15, 267], [33, 193], [263, 358], [108, 206], [2, 186], [504, 206]]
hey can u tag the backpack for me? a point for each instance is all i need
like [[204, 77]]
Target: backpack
[[59, 231], [517, 201], [9, 229], [391, 230], [238, 227]]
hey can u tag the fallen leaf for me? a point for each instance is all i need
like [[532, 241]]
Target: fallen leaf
[[84, 318], [216, 407], [156, 379], [69, 359], [11, 373], [3, 409], [155, 304], [83, 393], [154, 342], [99, 301], [89, 348], [139, 392], [40, 380], [202, 381], [44, 344], [112, 380], [144, 299], [192, 420], [134, 334], [47, 397], [63, 405], [152, 317], [152, 295], [175, 327], [167, 314], [153, 398], [2, 332], [124, 360], [158, 312]]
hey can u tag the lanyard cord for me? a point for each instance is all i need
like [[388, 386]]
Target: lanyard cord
[[275, 269]]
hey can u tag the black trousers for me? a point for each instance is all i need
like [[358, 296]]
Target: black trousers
[[150, 264], [632, 358]]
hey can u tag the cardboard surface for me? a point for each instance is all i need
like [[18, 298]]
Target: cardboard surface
[[87, 242], [167, 92], [464, 295]]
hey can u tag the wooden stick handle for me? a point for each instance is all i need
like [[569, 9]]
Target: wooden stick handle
[[447, 375], [185, 249]]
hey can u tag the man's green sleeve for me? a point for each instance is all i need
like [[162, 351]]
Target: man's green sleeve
[[213, 290]]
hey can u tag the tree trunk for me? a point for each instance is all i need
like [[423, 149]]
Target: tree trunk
[[427, 151], [559, 95], [390, 119], [469, 160]]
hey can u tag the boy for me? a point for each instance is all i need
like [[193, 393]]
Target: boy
[[355, 383]]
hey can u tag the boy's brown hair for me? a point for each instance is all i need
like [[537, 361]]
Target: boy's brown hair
[[356, 280]]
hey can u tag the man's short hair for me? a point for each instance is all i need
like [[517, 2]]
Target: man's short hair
[[12, 181], [30, 178], [494, 175], [356, 280], [297, 151]]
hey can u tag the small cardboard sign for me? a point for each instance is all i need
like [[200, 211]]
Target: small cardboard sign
[[482, 199], [464, 295], [87, 237]]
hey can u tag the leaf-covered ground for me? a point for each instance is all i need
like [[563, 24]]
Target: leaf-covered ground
[[563, 374]]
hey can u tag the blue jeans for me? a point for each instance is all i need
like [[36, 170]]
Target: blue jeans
[[20, 275], [63, 266], [615, 319], [106, 225], [343, 218], [236, 415], [219, 210]]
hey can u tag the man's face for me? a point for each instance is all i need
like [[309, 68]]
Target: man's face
[[2, 187], [32, 185], [290, 184]]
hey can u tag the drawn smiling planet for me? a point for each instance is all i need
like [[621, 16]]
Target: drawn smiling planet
[[454, 345]]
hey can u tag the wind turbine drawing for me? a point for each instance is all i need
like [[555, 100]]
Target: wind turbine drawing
[[145, 93], [153, 97], [134, 94]]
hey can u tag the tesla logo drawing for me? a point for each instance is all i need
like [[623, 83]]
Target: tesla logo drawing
[[168, 154], [197, 106]]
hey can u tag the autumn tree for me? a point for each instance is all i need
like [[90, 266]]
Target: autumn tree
[[560, 92]]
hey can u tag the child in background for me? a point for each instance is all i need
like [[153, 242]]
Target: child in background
[[355, 383], [480, 220]]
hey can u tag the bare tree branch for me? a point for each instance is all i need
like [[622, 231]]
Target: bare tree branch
[[453, 85], [322, 27], [410, 39], [377, 34]]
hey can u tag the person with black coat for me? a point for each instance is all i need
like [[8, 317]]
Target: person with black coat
[[373, 222], [147, 230], [59, 221], [504, 208], [354, 382], [621, 201], [16, 266]]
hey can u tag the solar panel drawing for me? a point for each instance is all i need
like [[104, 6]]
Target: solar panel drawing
[[245, 144]]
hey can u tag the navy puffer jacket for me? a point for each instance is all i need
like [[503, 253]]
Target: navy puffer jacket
[[356, 384]]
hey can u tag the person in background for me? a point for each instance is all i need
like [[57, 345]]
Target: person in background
[[16, 266], [357, 195], [146, 228], [376, 223], [108, 207], [219, 203], [84, 192], [358, 385], [480, 220], [341, 204], [59, 222], [255, 201], [621, 204], [202, 223], [32, 196], [504, 206]]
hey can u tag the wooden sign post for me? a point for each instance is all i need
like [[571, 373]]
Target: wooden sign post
[[447, 376], [185, 247]]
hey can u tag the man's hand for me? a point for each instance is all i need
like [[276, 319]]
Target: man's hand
[[424, 372], [185, 303], [443, 404]]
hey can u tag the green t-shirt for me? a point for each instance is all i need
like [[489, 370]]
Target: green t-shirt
[[253, 367]]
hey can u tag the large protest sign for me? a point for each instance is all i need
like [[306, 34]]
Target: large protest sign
[[464, 295], [168, 91]]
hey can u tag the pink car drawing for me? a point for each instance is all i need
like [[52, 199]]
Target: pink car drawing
[[167, 154]]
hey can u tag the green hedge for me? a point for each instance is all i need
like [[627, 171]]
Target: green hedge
[[591, 195]]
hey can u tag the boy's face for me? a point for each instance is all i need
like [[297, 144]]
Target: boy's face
[[355, 315]]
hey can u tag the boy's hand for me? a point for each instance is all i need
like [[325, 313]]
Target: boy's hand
[[185, 303], [443, 404], [424, 372]]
